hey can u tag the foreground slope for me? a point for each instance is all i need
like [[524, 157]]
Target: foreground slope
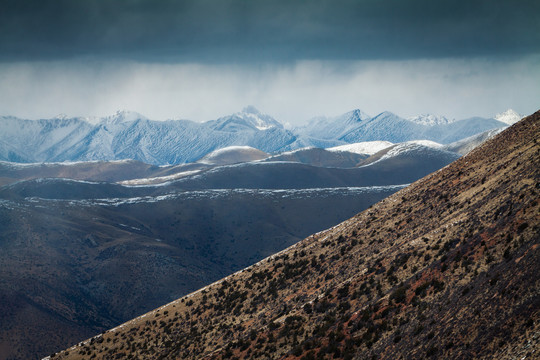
[[446, 268]]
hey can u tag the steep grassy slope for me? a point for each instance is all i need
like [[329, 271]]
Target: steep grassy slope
[[446, 268]]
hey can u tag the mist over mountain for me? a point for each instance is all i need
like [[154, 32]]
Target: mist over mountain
[[128, 135]]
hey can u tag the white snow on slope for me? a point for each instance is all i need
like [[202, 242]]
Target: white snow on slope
[[157, 179], [333, 127], [414, 146], [231, 148], [222, 193], [427, 143], [123, 116], [509, 117], [430, 119], [248, 119], [62, 163], [367, 147], [233, 154], [403, 148], [259, 120]]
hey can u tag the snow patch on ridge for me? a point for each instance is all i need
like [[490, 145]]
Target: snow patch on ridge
[[123, 116], [16, 165], [226, 150], [414, 146], [367, 147], [408, 147], [221, 193], [157, 179], [427, 143]]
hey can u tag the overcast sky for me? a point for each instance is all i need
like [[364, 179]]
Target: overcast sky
[[200, 59]]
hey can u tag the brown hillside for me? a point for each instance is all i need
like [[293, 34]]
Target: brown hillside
[[446, 268]]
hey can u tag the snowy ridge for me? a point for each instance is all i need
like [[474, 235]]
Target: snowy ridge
[[430, 120], [158, 179], [260, 121], [46, 180], [58, 180], [233, 154], [230, 148], [428, 151], [16, 165], [248, 119], [334, 127], [214, 194], [403, 148], [509, 117], [464, 146], [122, 116], [366, 147], [220, 193], [426, 143]]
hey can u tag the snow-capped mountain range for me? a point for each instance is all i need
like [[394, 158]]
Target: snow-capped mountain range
[[129, 135]]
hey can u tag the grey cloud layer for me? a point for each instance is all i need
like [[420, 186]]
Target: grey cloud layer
[[217, 31], [291, 93]]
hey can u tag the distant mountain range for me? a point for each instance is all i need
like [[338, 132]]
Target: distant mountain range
[[128, 135]]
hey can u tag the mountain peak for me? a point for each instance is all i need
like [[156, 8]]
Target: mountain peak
[[387, 114], [509, 117], [248, 118], [430, 119], [358, 115], [123, 116]]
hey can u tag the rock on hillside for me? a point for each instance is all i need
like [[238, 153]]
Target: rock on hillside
[[446, 268]]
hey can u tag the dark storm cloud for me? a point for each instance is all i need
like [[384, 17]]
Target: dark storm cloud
[[271, 30]]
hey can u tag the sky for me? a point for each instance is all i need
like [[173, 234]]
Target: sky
[[294, 59]]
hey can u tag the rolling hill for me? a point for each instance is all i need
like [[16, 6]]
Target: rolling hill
[[320, 157]]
